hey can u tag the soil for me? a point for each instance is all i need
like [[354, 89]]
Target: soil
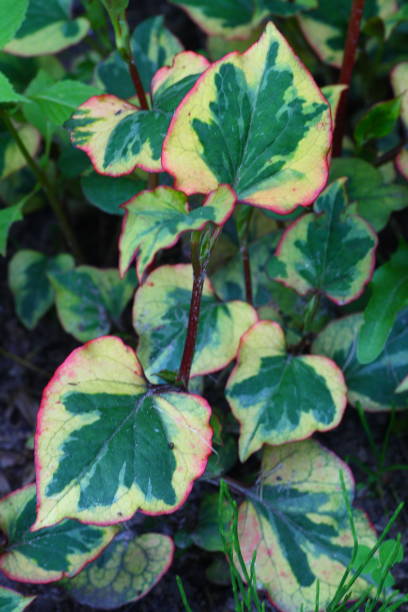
[[46, 347]]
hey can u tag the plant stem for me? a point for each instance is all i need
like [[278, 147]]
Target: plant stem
[[389, 155], [346, 72], [243, 222], [47, 187], [23, 362], [246, 263]]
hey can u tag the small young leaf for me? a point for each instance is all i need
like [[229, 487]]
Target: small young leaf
[[89, 299], [389, 295], [47, 29], [49, 554], [108, 193], [11, 601], [119, 136], [154, 220], [298, 526], [378, 121], [11, 158], [8, 216], [331, 251], [373, 385], [124, 573], [28, 280], [107, 445], [160, 316], [278, 398], [275, 156], [12, 13]]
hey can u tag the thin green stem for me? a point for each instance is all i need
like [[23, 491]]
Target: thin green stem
[[46, 186], [23, 362]]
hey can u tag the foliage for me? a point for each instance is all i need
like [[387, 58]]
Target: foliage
[[204, 187]]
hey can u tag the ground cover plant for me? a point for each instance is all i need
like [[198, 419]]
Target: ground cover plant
[[221, 233]]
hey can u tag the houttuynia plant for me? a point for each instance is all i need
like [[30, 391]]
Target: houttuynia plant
[[250, 207]]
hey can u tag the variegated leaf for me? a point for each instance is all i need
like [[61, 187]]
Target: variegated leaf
[[331, 251], [160, 316], [333, 93], [277, 397], [125, 572], [11, 601], [47, 29], [373, 385], [49, 554], [299, 528], [256, 121], [399, 82], [11, 158], [154, 220], [29, 283], [119, 136], [89, 300], [108, 445]]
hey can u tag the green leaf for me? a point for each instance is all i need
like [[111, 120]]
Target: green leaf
[[256, 121], [7, 92], [49, 554], [399, 80], [125, 572], [207, 534], [89, 300], [115, 7], [119, 136], [11, 601], [59, 101], [108, 444], [277, 397], [108, 193], [47, 29], [331, 251], [287, 8], [373, 199], [28, 281], [160, 318], [154, 220], [373, 385], [389, 295], [8, 216], [298, 526], [11, 158], [12, 13], [378, 121]]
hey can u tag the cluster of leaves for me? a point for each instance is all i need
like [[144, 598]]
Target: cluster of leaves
[[227, 153]]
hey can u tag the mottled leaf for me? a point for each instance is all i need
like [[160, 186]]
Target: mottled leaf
[[12, 13], [49, 554], [154, 220], [160, 317], [372, 385], [330, 251], [11, 158], [11, 601], [373, 199], [8, 216], [333, 93], [378, 121], [89, 300], [47, 29], [278, 397], [28, 280], [275, 155], [125, 572], [389, 295], [108, 193], [298, 526], [108, 445]]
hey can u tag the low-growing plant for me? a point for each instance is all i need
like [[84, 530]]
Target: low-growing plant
[[250, 204]]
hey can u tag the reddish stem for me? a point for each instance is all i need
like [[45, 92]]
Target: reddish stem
[[246, 263], [353, 33], [137, 82]]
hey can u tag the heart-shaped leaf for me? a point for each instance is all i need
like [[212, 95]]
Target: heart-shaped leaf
[[160, 316], [331, 251], [11, 158], [154, 220], [298, 526], [89, 300], [49, 554], [125, 572], [119, 136], [108, 445], [256, 121], [47, 29], [11, 601], [374, 384], [28, 280], [279, 398]]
